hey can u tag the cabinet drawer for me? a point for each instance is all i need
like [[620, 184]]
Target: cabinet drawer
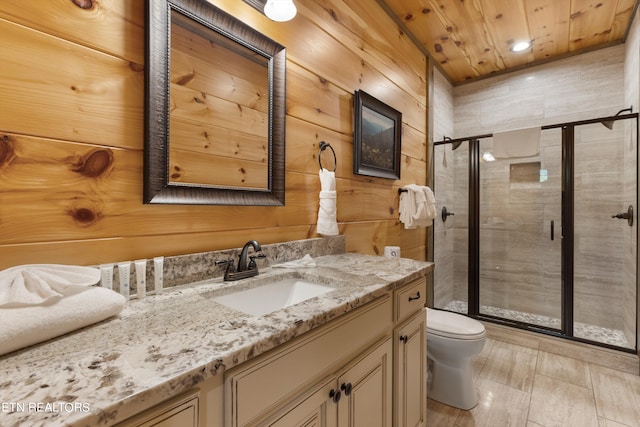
[[410, 298], [261, 385]]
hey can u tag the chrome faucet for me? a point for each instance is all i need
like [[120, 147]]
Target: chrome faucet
[[245, 269]]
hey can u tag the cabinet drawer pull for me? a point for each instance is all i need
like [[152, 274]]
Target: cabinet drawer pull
[[346, 388], [335, 395], [416, 296], [404, 338]]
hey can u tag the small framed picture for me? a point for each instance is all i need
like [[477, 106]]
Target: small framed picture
[[377, 137]]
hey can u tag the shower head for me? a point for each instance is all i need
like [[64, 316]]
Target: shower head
[[609, 123], [454, 145]]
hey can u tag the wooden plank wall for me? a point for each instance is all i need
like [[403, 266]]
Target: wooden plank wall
[[71, 133]]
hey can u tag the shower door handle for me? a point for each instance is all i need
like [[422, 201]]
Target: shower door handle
[[552, 230]]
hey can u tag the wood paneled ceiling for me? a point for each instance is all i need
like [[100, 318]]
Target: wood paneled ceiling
[[471, 39]]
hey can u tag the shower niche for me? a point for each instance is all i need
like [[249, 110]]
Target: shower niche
[[525, 173]]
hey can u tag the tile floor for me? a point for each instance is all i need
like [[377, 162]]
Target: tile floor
[[523, 386]]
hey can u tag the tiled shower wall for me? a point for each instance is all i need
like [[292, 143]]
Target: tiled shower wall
[[445, 192], [632, 97], [586, 86], [576, 88]]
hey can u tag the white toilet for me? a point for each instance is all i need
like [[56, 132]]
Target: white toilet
[[452, 341]]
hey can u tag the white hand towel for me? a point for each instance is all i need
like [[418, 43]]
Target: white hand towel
[[327, 216], [430, 204], [406, 207], [516, 143], [304, 262], [34, 284], [417, 206]]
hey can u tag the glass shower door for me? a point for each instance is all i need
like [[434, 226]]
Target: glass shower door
[[605, 239], [520, 245], [546, 242]]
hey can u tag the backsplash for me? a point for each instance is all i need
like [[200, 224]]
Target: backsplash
[[190, 268]]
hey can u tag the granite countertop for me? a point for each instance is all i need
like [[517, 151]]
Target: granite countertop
[[164, 344]]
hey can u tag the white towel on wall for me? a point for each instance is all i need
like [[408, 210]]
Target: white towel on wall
[[417, 206], [516, 143], [327, 216]]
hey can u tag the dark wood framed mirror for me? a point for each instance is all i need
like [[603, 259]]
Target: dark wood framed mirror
[[214, 108]]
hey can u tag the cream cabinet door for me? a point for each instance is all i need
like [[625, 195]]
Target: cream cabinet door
[[315, 409], [181, 412], [361, 396], [367, 390], [272, 380], [410, 372]]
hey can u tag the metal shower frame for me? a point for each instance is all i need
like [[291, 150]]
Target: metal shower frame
[[567, 251]]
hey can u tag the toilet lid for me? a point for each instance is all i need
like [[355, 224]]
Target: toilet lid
[[453, 325]]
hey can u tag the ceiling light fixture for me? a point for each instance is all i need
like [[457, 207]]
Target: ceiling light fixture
[[520, 46], [280, 10]]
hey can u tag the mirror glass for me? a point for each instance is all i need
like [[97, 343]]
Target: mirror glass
[[215, 109]]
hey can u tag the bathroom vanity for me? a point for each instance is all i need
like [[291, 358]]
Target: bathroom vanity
[[357, 353]]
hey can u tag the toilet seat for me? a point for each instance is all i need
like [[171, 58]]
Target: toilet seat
[[453, 325]]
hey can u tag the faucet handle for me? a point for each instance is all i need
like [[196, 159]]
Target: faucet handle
[[252, 260], [230, 267]]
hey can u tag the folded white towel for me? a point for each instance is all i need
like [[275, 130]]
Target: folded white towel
[[417, 206], [516, 143], [34, 284], [28, 325], [406, 206], [327, 216], [305, 262]]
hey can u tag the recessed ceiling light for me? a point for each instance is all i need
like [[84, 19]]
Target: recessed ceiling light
[[520, 46], [280, 10]]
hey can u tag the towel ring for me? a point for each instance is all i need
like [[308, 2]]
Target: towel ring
[[323, 146]]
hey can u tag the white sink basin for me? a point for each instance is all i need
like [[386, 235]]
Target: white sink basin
[[275, 296]]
